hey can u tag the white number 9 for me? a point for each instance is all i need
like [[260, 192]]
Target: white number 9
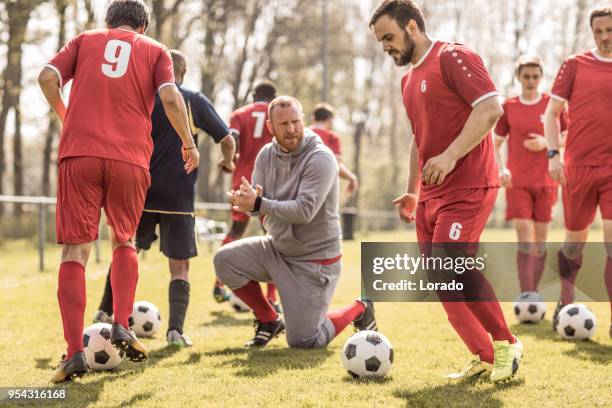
[[117, 53]]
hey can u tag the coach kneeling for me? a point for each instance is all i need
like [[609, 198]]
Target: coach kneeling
[[296, 190]]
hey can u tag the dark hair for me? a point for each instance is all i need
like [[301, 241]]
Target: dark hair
[[600, 12], [528, 61], [133, 13], [264, 91], [322, 112], [402, 11]]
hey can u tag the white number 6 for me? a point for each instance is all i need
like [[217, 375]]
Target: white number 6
[[455, 231], [117, 53]]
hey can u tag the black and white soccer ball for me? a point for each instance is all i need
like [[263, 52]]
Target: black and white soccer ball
[[145, 319], [237, 304], [576, 322], [529, 307], [367, 354], [100, 354]]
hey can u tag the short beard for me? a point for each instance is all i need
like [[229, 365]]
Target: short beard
[[406, 53]]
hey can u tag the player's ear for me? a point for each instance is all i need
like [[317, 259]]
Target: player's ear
[[269, 126], [411, 27]]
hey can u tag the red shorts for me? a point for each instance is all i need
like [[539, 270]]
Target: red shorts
[[457, 216], [586, 188], [87, 184], [530, 203]]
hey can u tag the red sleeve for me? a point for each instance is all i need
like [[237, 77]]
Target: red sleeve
[[65, 61], [234, 123], [164, 75], [564, 120], [564, 81], [465, 73], [334, 144], [502, 128]]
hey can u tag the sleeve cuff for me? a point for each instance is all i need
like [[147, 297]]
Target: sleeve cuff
[[59, 75], [502, 137], [165, 84], [266, 206], [483, 97], [557, 97]]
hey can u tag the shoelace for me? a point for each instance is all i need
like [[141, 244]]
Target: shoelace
[[502, 355]]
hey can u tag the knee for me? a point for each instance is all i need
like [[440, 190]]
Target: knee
[[179, 268], [77, 253], [221, 260], [572, 250], [130, 243], [307, 341]]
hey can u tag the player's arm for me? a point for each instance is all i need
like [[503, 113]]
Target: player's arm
[[504, 173], [477, 127], [175, 109], [348, 175], [49, 82], [552, 130], [406, 203], [228, 150]]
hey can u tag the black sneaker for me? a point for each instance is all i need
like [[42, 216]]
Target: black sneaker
[[366, 320], [220, 294], [555, 316], [276, 306], [264, 332], [68, 369], [126, 340]]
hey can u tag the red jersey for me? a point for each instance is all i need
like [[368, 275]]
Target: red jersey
[[249, 122], [585, 82], [520, 118], [439, 93], [116, 75], [330, 138]]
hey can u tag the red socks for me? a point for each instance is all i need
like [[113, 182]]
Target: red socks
[[608, 277], [124, 277], [252, 295], [271, 293], [71, 297], [342, 317], [538, 263], [568, 269], [228, 238], [523, 264], [470, 330], [492, 319]]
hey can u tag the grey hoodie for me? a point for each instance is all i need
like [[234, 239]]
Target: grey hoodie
[[300, 198]]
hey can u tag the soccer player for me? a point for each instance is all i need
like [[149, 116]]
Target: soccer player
[[530, 191], [170, 199], [323, 124], [295, 183], [452, 105], [104, 155], [248, 124], [584, 82]]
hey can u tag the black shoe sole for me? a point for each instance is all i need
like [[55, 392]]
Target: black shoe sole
[[131, 353]]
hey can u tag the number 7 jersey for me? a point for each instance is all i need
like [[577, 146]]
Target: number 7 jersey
[[116, 74], [249, 123]]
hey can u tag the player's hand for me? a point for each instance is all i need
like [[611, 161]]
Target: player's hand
[[353, 185], [556, 169], [226, 167], [437, 168], [537, 143], [243, 199], [405, 206], [506, 178], [191, 157]]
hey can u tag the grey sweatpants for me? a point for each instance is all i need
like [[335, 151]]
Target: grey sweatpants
[[305, 288]]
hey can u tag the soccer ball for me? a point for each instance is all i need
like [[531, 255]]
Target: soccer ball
[[237, 303], [367, 354], [529, 307], [145, 319], [100, 354], [576, 322]]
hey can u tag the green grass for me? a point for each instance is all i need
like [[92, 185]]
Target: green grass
[[217, 371]]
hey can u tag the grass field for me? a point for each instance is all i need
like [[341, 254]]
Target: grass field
[[217, 371]]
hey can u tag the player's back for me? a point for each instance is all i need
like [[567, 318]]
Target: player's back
[[116, 74], [250, 124], [329, 138]]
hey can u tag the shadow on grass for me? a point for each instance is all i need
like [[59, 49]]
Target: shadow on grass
[[591, 351], [44, 364], [264, 362], [470, 394], [227, 318], [542, 330], [136, 398], [368, 380]]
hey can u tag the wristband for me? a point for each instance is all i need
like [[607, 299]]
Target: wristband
[[552, 153], [257, 205]]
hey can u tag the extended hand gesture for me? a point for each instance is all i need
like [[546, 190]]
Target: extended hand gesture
[[405, 206]]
